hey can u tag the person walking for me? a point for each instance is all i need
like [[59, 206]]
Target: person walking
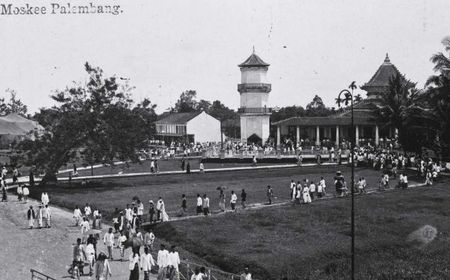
[[19, 192], [233, 201], [26, 193], [31, 215], [163, 262], [151, 211], [312, 190], [46, 216], [243, 198], [269, 194], [159, 206], [39, 216], [15, 175], [306, 195], [121, 244], [45, 199], [4, 194], [108, 240], [149, 239], [146, 263], [77, 216], [85, 227], [173, 264], [202, 167], [199, 208], [205, 205], [133, 265], [293, 188], [79, 255], [90, 256], [102, 269], [183, 204], [222, 200], [188, 168]]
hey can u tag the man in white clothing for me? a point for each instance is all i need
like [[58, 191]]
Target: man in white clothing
[[233, 201], [108, 240], [174, 262], [87, 210], [46, 216], [77, 215], [146, 263], [163, 262], [199, 208]]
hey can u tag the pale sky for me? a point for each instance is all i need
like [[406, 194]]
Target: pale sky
[[165, 47]]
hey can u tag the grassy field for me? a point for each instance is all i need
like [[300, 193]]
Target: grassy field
[[313, 242], [110, 193], [163, 165]]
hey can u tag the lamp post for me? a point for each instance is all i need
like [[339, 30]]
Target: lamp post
[[348, 99]]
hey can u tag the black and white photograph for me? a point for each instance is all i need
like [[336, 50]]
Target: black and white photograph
[[225, 140]]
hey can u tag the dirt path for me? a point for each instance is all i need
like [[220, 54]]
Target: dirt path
[[46, 250]]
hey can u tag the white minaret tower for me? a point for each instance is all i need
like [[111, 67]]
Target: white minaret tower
[[254, 90]]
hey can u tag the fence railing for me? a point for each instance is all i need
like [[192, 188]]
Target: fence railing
[[36, 275]]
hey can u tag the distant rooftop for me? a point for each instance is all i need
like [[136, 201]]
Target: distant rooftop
[[381, 78], [253, 61], [178, 118]]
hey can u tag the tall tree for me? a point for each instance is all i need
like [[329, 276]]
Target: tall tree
[[187, 102], [438, 93], [15, 105], [316, 108], [96, 121]]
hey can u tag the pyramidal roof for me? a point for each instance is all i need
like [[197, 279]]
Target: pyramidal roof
[[381, 78], [253, 61]]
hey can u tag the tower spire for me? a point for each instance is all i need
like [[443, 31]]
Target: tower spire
[[253, 49], [387, 60]]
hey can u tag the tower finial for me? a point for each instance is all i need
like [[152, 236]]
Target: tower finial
[[387, 60], [253, 49]]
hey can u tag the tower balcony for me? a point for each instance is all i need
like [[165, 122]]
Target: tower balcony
[[254, 87], [258, 110]]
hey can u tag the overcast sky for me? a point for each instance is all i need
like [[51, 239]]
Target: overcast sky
[[166, 47]]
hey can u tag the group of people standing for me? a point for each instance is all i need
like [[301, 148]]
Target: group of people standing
[[42, 215], [308, 191]]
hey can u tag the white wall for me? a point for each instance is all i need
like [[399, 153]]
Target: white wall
[[259, 125], [204, 128], [253, 75], [254, 99]]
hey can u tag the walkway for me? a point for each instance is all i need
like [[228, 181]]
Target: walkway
[[46, 250]]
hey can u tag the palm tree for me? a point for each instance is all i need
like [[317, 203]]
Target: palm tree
[[402, 108], [438, 93]]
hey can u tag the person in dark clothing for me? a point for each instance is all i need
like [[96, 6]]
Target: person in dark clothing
[[183, 163], [243, 198], [183, 203], [151, 211], [188, 168], [31, 178]]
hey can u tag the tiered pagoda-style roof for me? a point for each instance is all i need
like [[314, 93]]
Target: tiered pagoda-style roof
[[253, 61], [379, 82]]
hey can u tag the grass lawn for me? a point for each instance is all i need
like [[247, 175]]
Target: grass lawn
[[106, 194], [313, 242], [163, 165]]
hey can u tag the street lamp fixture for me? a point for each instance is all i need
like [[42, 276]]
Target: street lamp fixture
[[346, 97]]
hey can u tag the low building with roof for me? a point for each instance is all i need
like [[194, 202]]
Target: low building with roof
[[336, 128], [189, 127]]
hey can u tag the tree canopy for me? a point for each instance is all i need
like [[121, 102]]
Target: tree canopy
[[96, 122]]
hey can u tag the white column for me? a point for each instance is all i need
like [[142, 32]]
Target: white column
[[337, 135], [317, 136], [357, 135], [377, 136], [278, 136], [298, 135]]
